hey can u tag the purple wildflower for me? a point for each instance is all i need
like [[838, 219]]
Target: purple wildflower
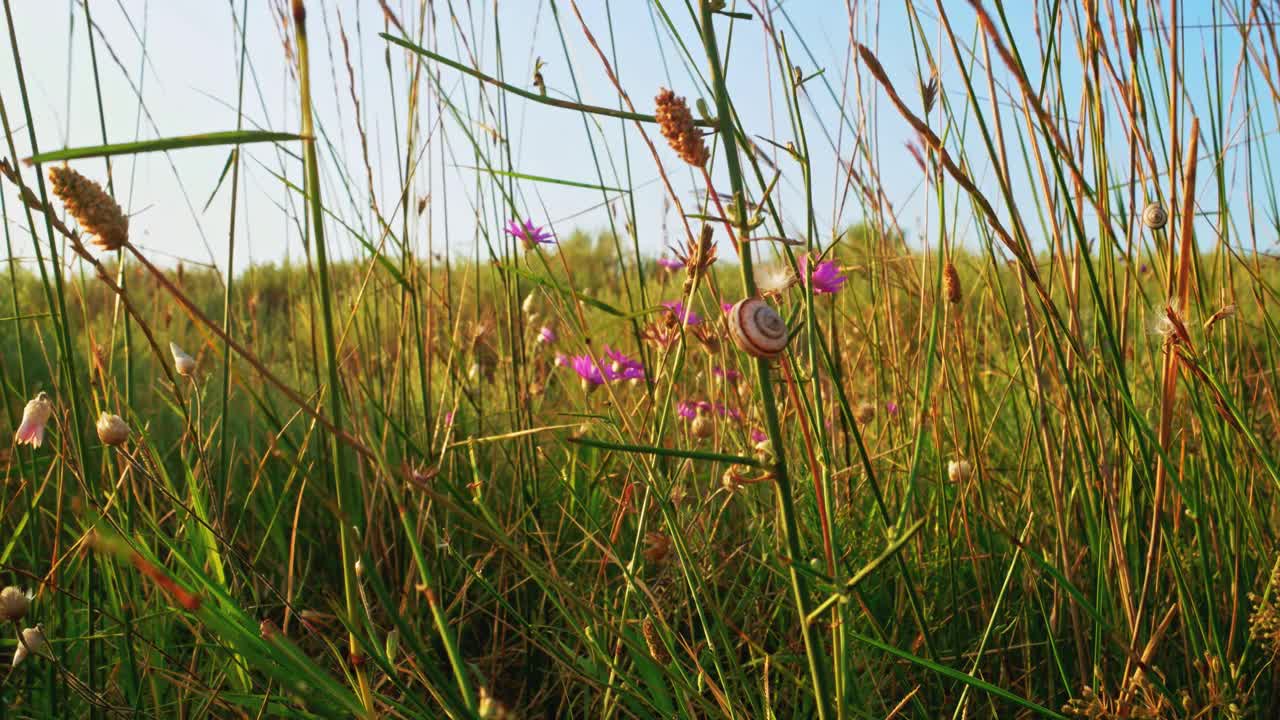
[[528, 233], [758, 436], [891, 407], [687, 410], [448, 419], [683, 314], [726, 306], [622, 367], [670, 263], [546, 335], [726, 374], [587, 369], [826, 276]]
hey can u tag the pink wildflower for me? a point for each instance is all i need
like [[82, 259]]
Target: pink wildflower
[[622, 367], [528, 234], [34, 417], [726, 374], [826, 276], [546, 335], [587, 369]]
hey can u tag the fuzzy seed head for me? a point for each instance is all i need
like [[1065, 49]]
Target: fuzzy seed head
[[97, 212], [676, 123], [14, 603], [112, 429], [865, 412]]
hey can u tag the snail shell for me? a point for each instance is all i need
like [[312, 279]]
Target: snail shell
[[1154, 216], [757, 329]]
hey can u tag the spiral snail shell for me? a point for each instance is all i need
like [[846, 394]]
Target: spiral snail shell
[[757, 329], [1154, 216]]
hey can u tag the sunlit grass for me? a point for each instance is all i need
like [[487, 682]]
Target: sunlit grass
[[1012, 458]]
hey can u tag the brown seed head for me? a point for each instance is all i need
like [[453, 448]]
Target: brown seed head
[[95, 210], [651, 638], [676, 123], [951, 283]]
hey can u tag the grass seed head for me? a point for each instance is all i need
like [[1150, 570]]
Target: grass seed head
[[951, 283], [651, 638], [677, 126], [95, 210]]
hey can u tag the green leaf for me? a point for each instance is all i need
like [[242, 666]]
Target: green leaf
[[963, 677], [182, 142], [543, 178]]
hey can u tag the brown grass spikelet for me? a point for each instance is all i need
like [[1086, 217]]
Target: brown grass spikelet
[[97, 212], [676, 123], [951, 283], [656, 649]]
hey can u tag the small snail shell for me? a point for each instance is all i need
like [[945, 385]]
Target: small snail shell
[[1154, 216], [757, 329]]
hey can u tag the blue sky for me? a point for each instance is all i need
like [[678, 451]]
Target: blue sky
[[188, 84]]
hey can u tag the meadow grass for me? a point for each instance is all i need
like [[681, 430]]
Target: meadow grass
[[1017, 458]]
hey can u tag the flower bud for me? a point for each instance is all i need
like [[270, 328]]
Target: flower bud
[[702, 426], [32, 643], [112, 429], [959, 471], [182, 360], [14, 604]]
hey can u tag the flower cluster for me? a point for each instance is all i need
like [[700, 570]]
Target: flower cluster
[[614, 365]]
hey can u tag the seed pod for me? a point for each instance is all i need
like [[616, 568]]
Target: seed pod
[[757, 329], [95, 210], [959, 470], [1154, 216]]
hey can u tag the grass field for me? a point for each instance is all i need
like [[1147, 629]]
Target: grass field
[[1014, 455]]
